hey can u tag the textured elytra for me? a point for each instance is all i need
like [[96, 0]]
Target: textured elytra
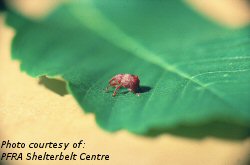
[[129, 81]]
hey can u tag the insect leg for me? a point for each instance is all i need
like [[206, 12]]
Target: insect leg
[[107, 88], [138, 94], [116, 89]]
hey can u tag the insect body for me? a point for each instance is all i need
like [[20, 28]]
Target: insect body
[[129, 81]]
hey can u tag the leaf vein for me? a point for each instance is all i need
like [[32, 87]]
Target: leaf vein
[[93, 19]]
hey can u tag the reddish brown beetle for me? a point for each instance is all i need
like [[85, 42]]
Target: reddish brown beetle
[[129, 81]]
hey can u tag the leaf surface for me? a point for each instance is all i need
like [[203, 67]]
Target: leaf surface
[[198, 72]]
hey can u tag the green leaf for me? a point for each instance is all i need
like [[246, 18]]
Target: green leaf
[[198, 72]]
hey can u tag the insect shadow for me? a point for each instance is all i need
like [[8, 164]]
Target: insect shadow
[[55, 85], [142, 89]]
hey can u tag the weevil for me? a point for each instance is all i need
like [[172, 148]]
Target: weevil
[[129, 81]]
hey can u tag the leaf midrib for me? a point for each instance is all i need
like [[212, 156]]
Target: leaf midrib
[[89, 16]]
